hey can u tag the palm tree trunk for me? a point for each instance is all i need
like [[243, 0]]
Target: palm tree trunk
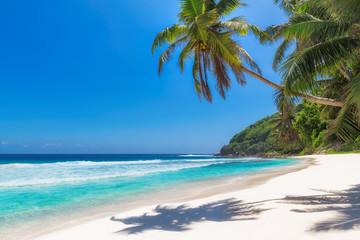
[[345, 72], [319, 100]]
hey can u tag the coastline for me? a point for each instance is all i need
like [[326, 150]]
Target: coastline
[[183, 192], [265, 199]]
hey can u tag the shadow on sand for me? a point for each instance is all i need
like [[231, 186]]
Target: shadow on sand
[[345, 203], [181, 217]]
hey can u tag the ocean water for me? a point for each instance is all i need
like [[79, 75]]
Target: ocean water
[[36, 188]]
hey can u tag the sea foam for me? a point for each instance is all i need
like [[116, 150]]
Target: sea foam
[[77, 171]]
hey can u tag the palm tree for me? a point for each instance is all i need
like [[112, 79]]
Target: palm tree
[[282, 124], [326, 35], [322, 44], [210, 43]]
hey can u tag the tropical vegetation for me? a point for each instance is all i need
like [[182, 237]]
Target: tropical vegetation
[[210, 43], [262, 137], [324, 36], [318, 58], [252, 140]]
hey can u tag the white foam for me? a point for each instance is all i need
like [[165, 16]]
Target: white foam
[[91, 163], [78, 163], [56, 175], [196, 155], [203, 160], [16, 165], [24, 174]]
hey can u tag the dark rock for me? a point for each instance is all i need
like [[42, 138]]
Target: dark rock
[[222, 151]]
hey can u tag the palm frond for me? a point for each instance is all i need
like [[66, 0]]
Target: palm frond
[[239, 74], [195, 72], [304, 25], [169, 35], [346, 10], [317, 8], [354, 93], [199, 27], [280, 53], [185, 54], [166, 55], [225, 7], [221, 44], [301, 69], [210, 5], [276, 31], [288, 5], [237, 25], [190, 9], [205, 89], [345, 126], [223, 80], [240, 26], [244, 55], [282, 124]]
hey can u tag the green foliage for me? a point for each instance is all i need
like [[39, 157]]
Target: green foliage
[[209, 43], [254, 139], [258, 138], [319, 140], [349, 147], [288, 147], [309, 124], [325, 41], [319, 55], [342, 152], [263, 137]]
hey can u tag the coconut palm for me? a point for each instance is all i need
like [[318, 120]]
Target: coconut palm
[[327, 42], [209, 42]]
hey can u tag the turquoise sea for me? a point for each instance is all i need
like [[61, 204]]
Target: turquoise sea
[[38, 188]]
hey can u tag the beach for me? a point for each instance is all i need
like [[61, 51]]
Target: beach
[[318, 201], [185, 119], [44, 192]]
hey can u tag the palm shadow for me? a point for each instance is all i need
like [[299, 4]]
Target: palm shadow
[[180, 218], [346, 203]]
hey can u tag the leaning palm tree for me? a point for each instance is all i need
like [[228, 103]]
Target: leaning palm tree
[[209, 42]]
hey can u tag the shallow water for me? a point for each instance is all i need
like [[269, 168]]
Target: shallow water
[[44, 187]]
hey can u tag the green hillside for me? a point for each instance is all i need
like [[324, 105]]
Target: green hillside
[[311, 129], [253, 140]]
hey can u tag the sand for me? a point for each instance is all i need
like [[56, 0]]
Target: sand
[[319, 201]]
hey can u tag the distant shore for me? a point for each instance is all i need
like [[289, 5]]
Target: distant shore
[[259, 155], [317, 199]]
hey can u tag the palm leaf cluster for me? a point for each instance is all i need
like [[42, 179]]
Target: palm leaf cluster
[[324, 36], [283, 122], [209, 42]]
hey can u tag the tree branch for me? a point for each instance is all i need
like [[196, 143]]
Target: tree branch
[[319, 100], [345, 72]]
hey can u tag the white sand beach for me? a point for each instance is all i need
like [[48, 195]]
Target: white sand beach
[[321, 201]]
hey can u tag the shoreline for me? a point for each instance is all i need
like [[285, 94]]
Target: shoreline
[[266, 200], [183, 192]]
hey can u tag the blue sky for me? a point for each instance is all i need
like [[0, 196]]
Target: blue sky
[[77, 76]]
